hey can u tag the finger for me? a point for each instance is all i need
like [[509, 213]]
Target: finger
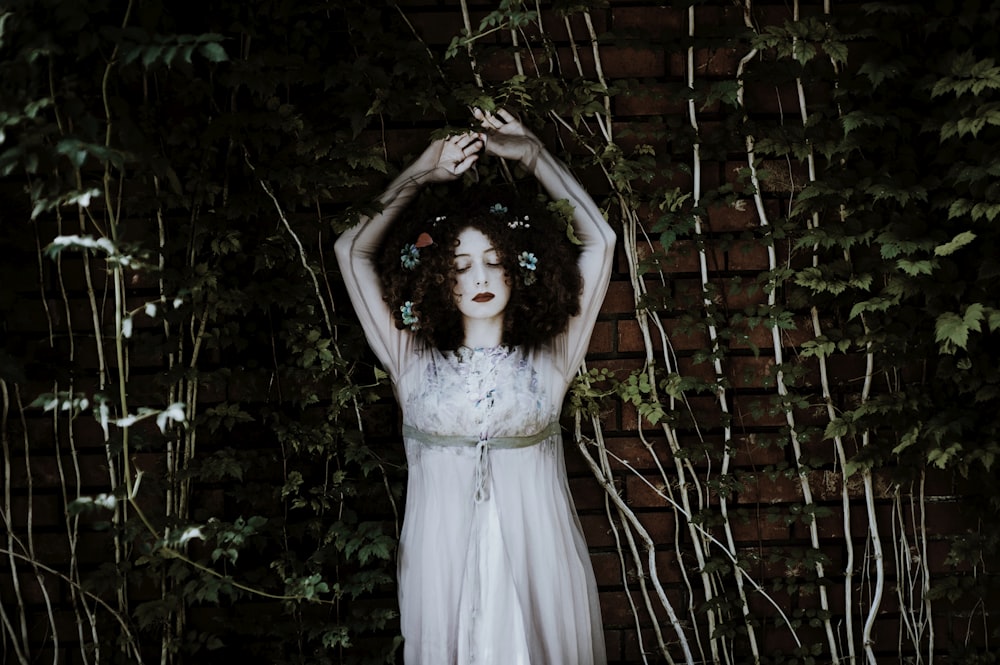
[[484, 119], [487, 119], [472, 148], [469, 139], [464, 165], [506, 115]]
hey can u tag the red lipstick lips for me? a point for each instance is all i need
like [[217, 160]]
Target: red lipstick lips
[[483, 297]]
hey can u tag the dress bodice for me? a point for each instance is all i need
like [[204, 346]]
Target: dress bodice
[[484, 393]]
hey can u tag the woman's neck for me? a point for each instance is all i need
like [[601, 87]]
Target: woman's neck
[[483, 333]]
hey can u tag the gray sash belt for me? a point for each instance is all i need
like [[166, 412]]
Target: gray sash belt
[[482, 446]]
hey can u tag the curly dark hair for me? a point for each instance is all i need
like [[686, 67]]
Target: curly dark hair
[[514, 224]]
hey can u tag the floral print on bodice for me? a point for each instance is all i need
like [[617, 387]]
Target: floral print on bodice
[[480, 393]]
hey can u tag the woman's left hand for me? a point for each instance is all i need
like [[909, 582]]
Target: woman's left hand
[[448, 158], [506, 137]]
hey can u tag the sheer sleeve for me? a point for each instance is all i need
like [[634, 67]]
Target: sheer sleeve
[[356, 257], [598, 238], [443, 160]]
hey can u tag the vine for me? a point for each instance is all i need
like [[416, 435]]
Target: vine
[[801, 385]]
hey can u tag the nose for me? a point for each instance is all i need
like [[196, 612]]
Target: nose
[[479, 274]]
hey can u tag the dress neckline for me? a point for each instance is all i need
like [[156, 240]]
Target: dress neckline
[[466, 353]]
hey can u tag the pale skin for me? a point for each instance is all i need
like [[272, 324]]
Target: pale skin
[[448, 159], [482, 289]]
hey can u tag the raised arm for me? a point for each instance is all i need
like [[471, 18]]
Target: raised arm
[[443, 160], [509, 139]]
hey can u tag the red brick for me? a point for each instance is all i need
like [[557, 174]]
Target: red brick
[[615, 608], [619, 299], [756, 410], [630, 339], [44, 470], [938, 483], [747, 256], [681, 256], [588, 494], [755, 528], [554, 26], [684, 336], [846, 370], [645, 649], [602, 340], [613, 643], [47, 510], [629, 62], [645, 491], [717, 61], [770, 98], [659, 525], [634, 452], [607, 568], [740, 216], [772, 488], [650, 99], [749, 372], [597, 530], [760, 336], [755, 450], [703, 370], [950, 519], [31, 586], [657, 22], [616, 611]]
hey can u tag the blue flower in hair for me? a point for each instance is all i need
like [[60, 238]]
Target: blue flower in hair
[[409, 318], [498, 209], [528, 262], [409, 257]]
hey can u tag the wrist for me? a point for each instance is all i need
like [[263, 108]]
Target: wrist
[[530, 157]]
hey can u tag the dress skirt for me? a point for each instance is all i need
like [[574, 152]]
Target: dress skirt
[[503, 581]]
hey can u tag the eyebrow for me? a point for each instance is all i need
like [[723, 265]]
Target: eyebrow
[[488, 250]]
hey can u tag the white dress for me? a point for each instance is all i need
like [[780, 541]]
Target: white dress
[[493, 567]]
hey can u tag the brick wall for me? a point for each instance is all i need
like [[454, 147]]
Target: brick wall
[[762, 462]]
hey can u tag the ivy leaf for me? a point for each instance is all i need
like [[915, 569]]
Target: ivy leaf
[[213, 52], [956, 243], [858, 119], [836, 50], [877, 304], [952, 330], [993, 319], [958, 208], [915, 268]]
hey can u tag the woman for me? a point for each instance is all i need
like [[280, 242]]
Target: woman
[[481, 320]]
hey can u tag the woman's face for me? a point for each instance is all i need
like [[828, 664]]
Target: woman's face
[[482, 289]]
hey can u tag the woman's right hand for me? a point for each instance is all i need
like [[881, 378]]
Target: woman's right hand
[[447, 159]]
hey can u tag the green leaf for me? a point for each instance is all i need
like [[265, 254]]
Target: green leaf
[[956, 243], [213, 52], [915, 268], [952, 330]]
